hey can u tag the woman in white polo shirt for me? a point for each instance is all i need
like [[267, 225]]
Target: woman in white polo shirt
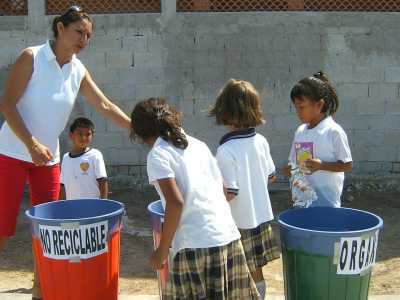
[[207, 259], [39, 95]]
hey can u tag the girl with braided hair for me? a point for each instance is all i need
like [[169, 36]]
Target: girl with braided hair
[[320, 144]]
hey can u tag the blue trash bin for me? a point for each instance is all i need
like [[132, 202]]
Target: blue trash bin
[[77, 248], [328, 252], [156, 211]]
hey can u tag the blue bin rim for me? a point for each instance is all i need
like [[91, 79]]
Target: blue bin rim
[[110, 215], [332, 233], [154, 203]]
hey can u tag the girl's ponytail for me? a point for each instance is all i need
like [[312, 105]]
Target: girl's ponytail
[[154, 117], [170, 127], [333, 100]]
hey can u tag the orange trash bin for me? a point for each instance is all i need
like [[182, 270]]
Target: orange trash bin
[[77, 248]]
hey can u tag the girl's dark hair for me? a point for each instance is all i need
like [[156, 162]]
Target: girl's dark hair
[[315, 88], [71, 15], [81, 123], [154, 117], [238, 104]]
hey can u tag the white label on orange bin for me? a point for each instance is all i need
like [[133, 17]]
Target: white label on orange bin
[[357, 254], [84, 241]]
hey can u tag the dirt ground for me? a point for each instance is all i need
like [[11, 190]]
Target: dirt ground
[[137, 278]]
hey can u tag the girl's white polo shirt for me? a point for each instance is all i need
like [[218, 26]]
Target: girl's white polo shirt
[[206, 219], [246, 163]]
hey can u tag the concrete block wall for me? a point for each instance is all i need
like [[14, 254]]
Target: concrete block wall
[[187, 57]]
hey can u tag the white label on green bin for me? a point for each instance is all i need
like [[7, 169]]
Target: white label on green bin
[[84, 241], [357, 254]]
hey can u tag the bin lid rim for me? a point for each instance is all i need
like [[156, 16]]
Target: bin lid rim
[[112, 214], [362, 231], [149, 207]]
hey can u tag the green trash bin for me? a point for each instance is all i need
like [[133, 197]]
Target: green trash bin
[[328, 252]]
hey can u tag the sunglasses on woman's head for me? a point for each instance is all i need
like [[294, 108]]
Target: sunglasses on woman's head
[[73, 8]]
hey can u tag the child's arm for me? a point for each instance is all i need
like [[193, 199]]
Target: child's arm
[[317, 165], [173, 210], [286, 170], [229, 196], [103, 187], [271, 178], [62, 192]]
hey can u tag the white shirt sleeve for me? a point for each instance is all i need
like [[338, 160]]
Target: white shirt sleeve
[[99, 166], [62, 173], [292, 155], [228, 167], [158, 167], [270, 162], [341, 146]]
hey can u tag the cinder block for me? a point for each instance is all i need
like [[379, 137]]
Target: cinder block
[[392, 137], [367, 137], [352, 90], [120, 59], [148, 59], [132, 155], [148, 75], [383, 91], [93, 59], [382, 154], [368, 74], [370, 106], [392, 74], [392, 106], [149, 90], [155, 43], [134, 43], [118, 91], [285, 122], [107, 140], [106, 43]]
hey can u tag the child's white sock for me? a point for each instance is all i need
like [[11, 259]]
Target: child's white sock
[[261, 288]]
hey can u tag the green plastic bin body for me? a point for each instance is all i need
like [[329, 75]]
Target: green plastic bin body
[[328, 252]]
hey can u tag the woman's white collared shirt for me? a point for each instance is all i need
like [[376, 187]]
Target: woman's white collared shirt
[[46, 104]]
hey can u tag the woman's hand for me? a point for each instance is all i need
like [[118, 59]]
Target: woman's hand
[[158, 258], [40, 154]]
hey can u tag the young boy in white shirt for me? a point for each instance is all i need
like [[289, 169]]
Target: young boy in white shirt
[[83, 172]]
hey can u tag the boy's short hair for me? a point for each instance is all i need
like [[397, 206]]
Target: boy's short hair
[[238, 104], [81, 122]]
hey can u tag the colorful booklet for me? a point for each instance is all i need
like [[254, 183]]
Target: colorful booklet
[[304, 151]]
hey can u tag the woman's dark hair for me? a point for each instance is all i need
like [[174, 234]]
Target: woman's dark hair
[[81, 123], [315, 88], [71, 15], [154, 117], [238, 104]]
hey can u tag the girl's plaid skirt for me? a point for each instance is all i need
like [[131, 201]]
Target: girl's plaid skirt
[[259, 245], [210, 273]]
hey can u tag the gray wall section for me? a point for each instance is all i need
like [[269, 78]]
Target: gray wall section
[[187, 57]]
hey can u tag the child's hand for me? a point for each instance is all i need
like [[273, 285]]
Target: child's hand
[[158, 258], [313, 165], [286, 170]]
